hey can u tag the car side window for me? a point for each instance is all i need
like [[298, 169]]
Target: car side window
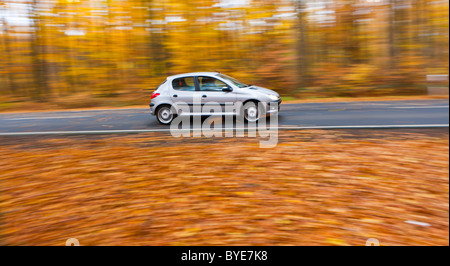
[[210, 84], [184, 84]]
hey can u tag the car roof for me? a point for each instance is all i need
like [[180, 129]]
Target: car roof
[[193, 74]]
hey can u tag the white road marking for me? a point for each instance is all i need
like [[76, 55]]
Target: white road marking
[[46, 117], [83, 132], [359, 107], [419, 107]]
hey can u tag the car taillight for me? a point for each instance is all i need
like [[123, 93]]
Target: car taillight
[[154, 95]]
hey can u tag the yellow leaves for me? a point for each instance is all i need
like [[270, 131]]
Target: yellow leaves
[[178, 200], [188, 232], [372, 221], [286, 193], [329, 221], [244, 193], [338, 210], [359, 73], [283, 221], [176, 191], [294, 201], [336, 242], [235, 234], [140, 212]]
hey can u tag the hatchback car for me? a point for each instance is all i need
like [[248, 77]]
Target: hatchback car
[[211, 88]]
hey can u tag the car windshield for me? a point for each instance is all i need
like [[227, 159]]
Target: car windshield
[[233, 80]]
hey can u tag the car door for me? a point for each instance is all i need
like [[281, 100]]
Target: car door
[[211, 90], [183, 92]]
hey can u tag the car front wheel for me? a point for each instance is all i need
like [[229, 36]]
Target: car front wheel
[[252, 112]]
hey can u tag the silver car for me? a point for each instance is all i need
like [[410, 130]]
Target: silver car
[[190, 93]]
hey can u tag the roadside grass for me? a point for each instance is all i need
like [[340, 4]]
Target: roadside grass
[[314, 188]]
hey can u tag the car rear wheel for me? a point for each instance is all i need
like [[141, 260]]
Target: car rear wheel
[[165, 114]]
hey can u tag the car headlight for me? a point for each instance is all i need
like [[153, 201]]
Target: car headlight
[[273, 97]]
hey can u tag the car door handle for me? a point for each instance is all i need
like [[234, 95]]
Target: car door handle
[[204, 96], [175, 95]]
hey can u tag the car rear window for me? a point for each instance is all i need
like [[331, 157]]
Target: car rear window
[[184, 84]]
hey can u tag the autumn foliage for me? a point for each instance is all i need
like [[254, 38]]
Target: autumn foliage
[[314, 188], [83, 53]]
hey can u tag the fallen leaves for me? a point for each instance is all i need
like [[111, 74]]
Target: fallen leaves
[[317, 188]]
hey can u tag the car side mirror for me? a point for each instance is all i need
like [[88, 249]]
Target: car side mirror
[[227, 89]]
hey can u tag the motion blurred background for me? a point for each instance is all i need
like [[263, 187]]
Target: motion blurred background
[[317, 187], [81, 53]]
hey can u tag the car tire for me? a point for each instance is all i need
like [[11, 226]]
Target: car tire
[[251, 112], [165, 114]]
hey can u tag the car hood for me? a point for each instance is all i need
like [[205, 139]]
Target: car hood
[[263, 90]]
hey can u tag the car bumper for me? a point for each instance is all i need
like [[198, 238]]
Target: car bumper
[[152, 107], [273, 107]]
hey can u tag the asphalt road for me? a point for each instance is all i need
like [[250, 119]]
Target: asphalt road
[[375, 114]]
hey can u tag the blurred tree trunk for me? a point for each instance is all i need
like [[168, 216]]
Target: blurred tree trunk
[[419, 28], [11, 85], [392, 31], [158, 54], [350, 27], [301, 46], [37, 55]]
